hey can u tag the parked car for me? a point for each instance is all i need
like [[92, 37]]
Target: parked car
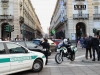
[[32, 46], [52, 44], [37, 41], [57, 41], [15, 58]]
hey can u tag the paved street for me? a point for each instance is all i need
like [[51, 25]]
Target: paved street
[[77, 67]]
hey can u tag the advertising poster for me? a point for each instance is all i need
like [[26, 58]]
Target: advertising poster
[[73, 36]]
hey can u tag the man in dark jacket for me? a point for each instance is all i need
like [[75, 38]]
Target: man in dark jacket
[[99, 50], [87, 43], [95, 45], [46, 48]]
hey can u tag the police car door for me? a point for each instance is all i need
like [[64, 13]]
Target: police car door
[[4, 60], [20, 60]]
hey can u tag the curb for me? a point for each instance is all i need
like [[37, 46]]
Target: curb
[[90, 61]]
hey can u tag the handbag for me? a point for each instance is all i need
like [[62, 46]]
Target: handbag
[[78, 42]]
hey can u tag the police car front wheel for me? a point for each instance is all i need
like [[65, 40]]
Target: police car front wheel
[[37, 66]]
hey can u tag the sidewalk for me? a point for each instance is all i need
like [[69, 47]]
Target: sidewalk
[[70, 68], [78, 45], [86, 60], [90, 61]]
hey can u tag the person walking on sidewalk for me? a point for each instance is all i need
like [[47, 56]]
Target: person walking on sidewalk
[[82, 42], [87, 43], [95, 46]]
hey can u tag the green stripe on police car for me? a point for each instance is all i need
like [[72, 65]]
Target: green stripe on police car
[[4, 60], [19, 59]]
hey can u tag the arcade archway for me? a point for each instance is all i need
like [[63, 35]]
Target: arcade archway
[[80, 30]]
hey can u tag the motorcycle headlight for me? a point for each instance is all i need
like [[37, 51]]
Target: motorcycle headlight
[[57, 50]]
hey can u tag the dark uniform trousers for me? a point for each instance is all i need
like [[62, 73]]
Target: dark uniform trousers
[[46, 55]]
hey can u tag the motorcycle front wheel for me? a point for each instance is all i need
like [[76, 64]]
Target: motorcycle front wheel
[[58, 58]]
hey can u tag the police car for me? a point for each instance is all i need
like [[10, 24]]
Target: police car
[[15, 58]]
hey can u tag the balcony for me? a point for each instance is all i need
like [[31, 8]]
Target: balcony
[[61, 21], [64, 4], [65, 18], [96, 16], [6, 17], [79, 0], [80, 16], [21, 19], [4, 1]]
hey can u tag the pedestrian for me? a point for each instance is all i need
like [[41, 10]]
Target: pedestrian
[[95, 46], [46, 48], [82, 42], [87, 44], [77, 40], [8, 39], [17, 38], [99, 50]]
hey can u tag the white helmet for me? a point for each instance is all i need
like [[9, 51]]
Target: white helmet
[[65, 41]]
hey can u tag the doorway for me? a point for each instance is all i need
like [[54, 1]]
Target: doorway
[[80, 30]]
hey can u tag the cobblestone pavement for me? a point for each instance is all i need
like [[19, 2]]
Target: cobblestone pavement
[[78, 67]]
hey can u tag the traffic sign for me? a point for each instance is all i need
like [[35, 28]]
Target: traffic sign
[[53, 31], [7, 28], [94, 30]]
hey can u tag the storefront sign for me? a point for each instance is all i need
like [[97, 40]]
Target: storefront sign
[[79, 7]]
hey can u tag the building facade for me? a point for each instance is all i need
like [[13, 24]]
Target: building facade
[[59, 20], [21, 15], [82, 16], [38, 28]]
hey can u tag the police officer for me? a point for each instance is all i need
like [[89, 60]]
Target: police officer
[[46, 48], [66, 43]]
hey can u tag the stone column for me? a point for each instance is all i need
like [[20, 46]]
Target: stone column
[[16, 19]]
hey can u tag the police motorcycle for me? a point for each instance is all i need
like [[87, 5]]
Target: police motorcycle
[[63, 52]]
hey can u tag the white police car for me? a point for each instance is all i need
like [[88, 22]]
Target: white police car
[[15, 58]]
